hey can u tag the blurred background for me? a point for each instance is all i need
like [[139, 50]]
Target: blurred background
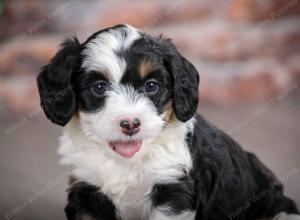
[[246, 51]]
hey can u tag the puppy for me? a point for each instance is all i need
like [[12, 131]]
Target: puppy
[[136, 146]]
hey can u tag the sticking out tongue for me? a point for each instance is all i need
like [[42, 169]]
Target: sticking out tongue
[[126, 148]]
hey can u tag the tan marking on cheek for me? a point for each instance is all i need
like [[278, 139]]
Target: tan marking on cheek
[[146, 66], [168, 113], [76, 114]]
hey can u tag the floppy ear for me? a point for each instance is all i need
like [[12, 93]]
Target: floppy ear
[[57, 96], [185, 85]]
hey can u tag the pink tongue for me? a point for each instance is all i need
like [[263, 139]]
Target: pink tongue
[[127, 148]]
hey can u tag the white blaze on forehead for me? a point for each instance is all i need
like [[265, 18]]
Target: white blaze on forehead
[[100, 53]]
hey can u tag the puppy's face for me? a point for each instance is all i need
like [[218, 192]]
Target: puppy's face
[[124, 85]]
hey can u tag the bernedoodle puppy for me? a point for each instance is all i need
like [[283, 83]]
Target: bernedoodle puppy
[[136, 146]]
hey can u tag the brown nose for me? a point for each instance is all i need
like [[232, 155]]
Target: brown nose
[[130, 126]]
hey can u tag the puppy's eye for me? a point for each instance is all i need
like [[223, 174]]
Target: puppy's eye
[[151, 86], [99, 88]]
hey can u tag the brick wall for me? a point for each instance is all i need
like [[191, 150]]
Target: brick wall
[[243, 49]]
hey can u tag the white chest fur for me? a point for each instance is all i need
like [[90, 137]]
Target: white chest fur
[[128, 182]]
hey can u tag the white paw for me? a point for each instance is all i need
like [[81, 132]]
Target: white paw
[[284, 216]]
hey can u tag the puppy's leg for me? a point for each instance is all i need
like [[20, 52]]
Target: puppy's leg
[[173, 201], [87, 202]]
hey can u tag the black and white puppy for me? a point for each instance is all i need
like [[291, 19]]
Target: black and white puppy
[[136, 146]]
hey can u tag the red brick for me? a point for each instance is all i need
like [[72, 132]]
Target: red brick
[[27, 55], [223, 41], [254, 10], [19, 94]]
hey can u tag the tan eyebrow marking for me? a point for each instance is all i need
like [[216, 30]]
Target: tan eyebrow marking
[[146, 66]]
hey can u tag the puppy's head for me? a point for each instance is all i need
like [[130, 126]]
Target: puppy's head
[[122, 84]]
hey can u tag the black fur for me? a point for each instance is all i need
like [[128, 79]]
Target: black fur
[[87, 100], [177, 196], [58, 98], [227, 179], [186, 81], [87, 202]]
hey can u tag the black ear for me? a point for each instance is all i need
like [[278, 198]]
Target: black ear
[[57, 96], [185, 85]]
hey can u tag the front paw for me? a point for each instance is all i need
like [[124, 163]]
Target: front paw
[[87, 202], [284, 216]]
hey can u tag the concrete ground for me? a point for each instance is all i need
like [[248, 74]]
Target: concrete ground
[[33, 185]]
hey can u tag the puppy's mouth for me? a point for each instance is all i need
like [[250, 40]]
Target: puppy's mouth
[[126, 149]]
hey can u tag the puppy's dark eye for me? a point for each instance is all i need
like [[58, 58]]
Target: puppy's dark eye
[[151, 86], [99, 88]]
